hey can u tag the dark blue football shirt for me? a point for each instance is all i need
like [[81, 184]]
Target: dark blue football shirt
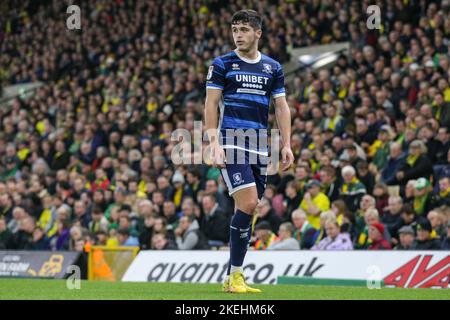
[[247, 86]]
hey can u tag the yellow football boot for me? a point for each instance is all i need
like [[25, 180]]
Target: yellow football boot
[[237, 284]]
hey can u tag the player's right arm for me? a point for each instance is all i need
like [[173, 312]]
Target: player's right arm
[[215, 82], [213, 97]]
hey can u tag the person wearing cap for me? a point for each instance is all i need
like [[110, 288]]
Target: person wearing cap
[[352, 190], [424, 240], [417, 164], [10, 169], [376, 236], [314, 202], [406, 238], [264, 236], [422, 198], [335, 240]]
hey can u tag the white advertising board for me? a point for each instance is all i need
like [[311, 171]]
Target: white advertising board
[[397, 268]]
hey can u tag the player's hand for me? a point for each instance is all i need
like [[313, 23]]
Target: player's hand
[[287, 158], [217, 155]]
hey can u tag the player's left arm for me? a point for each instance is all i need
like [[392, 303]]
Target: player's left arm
[[283, 116]]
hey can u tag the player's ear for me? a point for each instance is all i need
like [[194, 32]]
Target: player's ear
[[258, 33]]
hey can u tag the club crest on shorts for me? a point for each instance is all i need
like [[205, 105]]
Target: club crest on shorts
[[210, 71], [237, 177], [267, 68]]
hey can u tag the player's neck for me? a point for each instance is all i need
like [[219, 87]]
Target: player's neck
[[252, 54]]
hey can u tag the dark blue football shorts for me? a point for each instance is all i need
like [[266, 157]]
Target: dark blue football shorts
[[244, 169]]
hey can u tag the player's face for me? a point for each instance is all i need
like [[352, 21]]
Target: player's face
[[245, 36]]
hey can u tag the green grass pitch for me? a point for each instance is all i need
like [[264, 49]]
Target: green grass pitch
[[24, 289]]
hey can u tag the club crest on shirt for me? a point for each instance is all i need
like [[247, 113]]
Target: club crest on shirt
[[267, 68], [237, 177], [210, 72]]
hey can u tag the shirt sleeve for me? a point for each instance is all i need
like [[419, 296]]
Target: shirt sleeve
[[278, 83], [215, 78]]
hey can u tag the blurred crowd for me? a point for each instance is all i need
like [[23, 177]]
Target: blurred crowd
[[86, 159]]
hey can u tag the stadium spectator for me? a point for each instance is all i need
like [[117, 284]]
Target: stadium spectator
[[169, 212], [23, 238], [371, 217], [61, 239], [189, 236], [367, 202], [446, 240], [392, 216], [18, 214], [335, 240], [222, 199], [422, 202], [329, 183], [292, 199], [406, 239], [303, 232], [81, 213], [320, 234], [160, 242], [160, 226], [189, 208], [380, 193], [416, 165], [394, 161], [98, 222], [126, 239], [214, 223], [424, 240], [314, 202], [365, 176], [40, 241], [286, 242], [266, 213], [442, 197], [377, 238], [264, 236], [5, 235], [352, 190], [146, 231], [438, 221]]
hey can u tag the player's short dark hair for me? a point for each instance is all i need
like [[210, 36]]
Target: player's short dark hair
[[247, 16]]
